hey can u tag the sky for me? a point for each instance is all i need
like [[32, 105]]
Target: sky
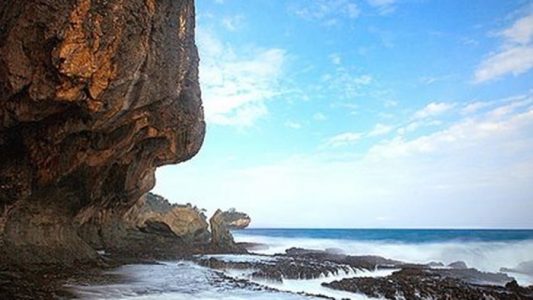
[[364, 114]]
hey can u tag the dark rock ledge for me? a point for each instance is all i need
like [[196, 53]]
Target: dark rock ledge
[[412, 281]]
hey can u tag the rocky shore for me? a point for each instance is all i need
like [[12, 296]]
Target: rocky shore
[[407, 281]]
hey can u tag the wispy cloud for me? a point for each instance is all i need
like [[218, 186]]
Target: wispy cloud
[[515, 56], [343, 139], [335, 58], [433, 109], [232, 23], [235, 83], [293, 124], [380, 129], [326, 11], [346, 85], [384, 6], [465, 170], [319, 117]]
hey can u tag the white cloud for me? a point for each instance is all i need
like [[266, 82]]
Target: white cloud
[[473, 107], [344, 84], [515, 61], [380, 129], [383, 6], [327, 11], [293, 125], [236, 83], [521, 32], [343, 139], [232, 23], [433, 109], [496, 125], [319, 116], [390, 103], [515, 56], [465, 170], [335, 58]]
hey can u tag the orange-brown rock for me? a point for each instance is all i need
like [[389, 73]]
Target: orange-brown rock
[[185, 221], [94, 95]]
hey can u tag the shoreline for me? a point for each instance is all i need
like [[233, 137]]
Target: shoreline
[[302, 265]]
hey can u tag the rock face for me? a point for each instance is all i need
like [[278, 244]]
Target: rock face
[[221, 238], [235, 219], [185, 221], [151, 229], [94, 95]]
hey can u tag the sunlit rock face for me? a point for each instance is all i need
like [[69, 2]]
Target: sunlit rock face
[[94, 95]]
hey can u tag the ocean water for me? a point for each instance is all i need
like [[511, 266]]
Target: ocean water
[[486, 250]]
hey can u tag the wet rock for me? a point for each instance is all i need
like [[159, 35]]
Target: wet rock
[[433, 264], [421, 284], [367, 262], [94, 95], [280, 267], [458, 265], [525, 267]]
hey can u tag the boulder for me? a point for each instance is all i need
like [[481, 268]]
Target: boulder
[[458, 265]]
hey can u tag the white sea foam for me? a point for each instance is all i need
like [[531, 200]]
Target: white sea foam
[[314, 286], [174, 281], [237, 258], [484, 256]]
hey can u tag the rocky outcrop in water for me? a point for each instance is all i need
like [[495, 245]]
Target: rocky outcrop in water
[[235, 219], [407, 281], [419, 284], [221, 237], [94, 95]]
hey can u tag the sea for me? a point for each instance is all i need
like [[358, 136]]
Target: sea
[[487, 250]]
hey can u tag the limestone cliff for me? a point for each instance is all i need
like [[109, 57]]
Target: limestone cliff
[[94, 95]]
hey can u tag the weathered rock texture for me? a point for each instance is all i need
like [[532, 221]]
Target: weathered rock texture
[[94, 95], [235, 219], [221, 237], [185, 221], [151, 229]]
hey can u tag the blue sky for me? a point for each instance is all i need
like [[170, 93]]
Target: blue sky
[[377, 113]]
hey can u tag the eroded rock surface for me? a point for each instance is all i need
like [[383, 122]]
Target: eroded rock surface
[[235, 219], [418, 284], [94, 95], [221, 237], [185, 221]]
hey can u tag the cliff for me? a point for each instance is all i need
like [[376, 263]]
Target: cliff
[[94, 95], [235, 219]]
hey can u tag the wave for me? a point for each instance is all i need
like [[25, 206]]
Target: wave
[[488, 256]]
